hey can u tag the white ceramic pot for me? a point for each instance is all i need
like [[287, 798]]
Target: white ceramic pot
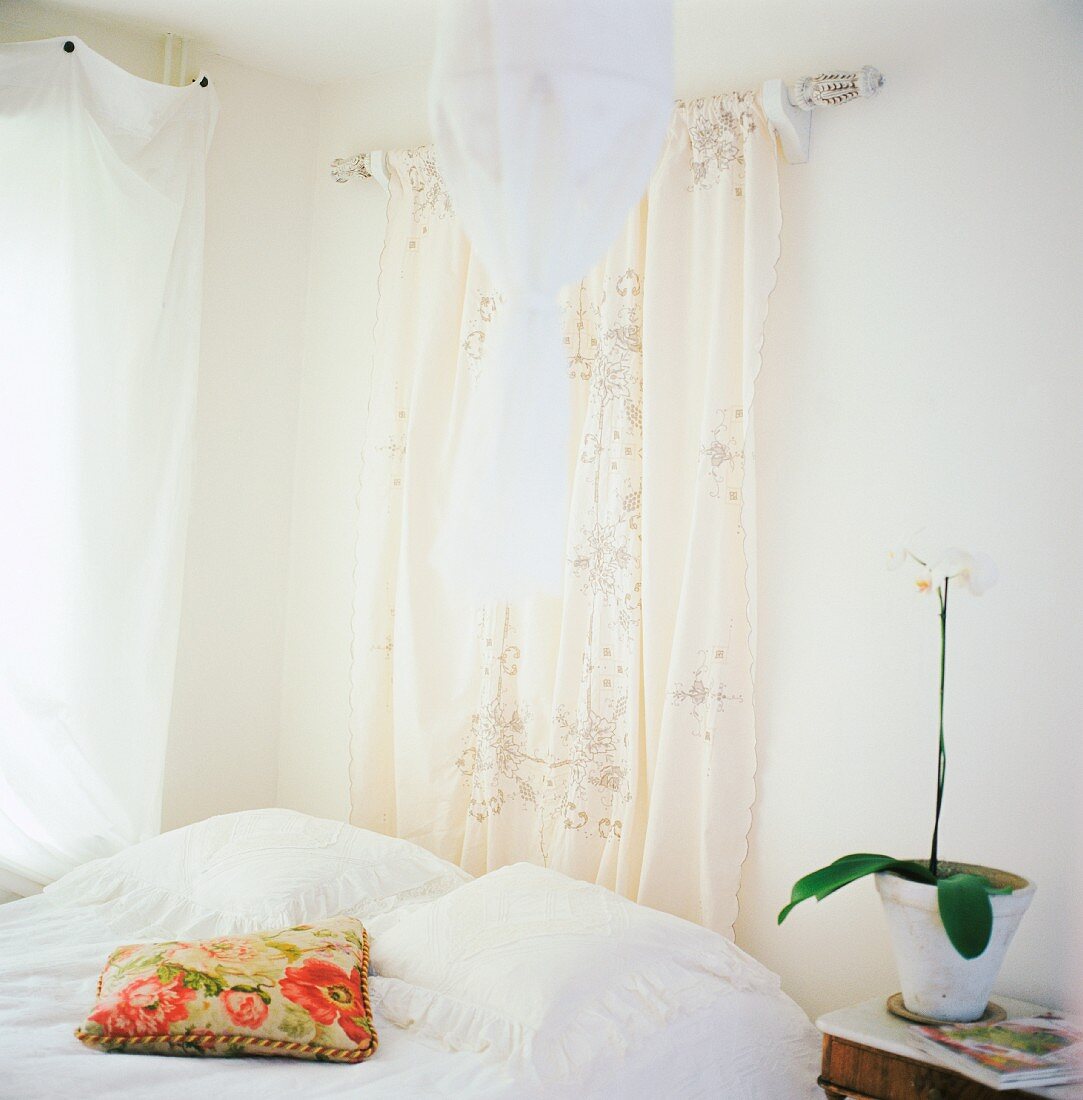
[[936, 980]]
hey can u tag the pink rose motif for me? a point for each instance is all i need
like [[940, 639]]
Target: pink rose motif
[[143, 1007], [230, 951], [245, 1009]]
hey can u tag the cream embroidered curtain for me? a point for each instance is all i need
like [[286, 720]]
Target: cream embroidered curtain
[[608, 733]]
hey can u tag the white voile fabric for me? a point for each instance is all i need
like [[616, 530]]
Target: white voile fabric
[[608, 732], [547, 117], [101, 233]]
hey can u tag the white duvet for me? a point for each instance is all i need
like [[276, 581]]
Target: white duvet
[[748, 1043]]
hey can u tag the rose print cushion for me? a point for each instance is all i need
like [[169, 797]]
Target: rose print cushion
[[301, 992]]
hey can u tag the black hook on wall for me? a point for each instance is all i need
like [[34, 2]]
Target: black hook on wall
[[69, 47]]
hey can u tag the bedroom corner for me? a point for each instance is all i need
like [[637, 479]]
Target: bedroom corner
[[339, 747]]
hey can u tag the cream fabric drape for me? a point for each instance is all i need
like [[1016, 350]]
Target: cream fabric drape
[[607, 733], [101, 257]]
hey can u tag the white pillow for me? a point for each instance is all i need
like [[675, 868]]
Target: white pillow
[[549, 974], [253, 870]]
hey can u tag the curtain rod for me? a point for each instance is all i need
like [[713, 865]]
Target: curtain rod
[[788, 107]]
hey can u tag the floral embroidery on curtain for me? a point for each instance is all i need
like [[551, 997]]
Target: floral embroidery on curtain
[[608, 734], [582, 782], [718, 128], [488, 303], [430, 198]]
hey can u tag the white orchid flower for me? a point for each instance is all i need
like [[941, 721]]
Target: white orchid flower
[[896, 557], [901, 552], [976, 572], [949, 565], [924, 582], [981, 575]]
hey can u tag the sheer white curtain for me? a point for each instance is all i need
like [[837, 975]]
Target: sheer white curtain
[[101, 233], [547, 118], [607, 732]]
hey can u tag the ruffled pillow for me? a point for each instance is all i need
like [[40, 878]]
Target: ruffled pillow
[[256, 869], [549, 974], [299, 993]]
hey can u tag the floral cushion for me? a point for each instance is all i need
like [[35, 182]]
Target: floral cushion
[[301, 992]]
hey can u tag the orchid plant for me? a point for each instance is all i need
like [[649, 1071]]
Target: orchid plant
[[962, 897]]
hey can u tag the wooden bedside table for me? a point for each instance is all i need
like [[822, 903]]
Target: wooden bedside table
[[867, 1057]]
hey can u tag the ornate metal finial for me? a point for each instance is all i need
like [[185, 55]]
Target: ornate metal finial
[[828, 89], [348, 168]]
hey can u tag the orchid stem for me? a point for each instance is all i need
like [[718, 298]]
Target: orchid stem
[[942, 756]]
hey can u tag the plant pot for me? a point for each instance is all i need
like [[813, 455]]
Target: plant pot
[[936, 980]]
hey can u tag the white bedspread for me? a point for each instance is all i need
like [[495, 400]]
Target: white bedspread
[[746, 1046]]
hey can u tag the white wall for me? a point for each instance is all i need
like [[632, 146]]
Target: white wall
[[227, 699], [224, 735], [921, 368], [348, 232]]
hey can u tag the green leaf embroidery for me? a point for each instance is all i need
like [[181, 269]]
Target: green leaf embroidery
[[168, 971], [263, 995], [291, 951], [295, 1023], [203, 983]]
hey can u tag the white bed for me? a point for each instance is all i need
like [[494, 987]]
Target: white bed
[[742, 1043]]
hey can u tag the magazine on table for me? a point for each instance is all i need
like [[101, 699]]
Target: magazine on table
[[1029, 1052]]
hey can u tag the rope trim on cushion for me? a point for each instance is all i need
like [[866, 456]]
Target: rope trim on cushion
[[211, 1042], [205, 1042]]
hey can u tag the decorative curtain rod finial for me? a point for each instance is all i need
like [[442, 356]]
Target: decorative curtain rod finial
[[365, 166], [830, 89], [789, 108], [347, 168]]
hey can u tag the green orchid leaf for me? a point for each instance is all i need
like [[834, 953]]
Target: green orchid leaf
[[965, 909], [842, 874], [824, 882], [914, 871], [860, 855]]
